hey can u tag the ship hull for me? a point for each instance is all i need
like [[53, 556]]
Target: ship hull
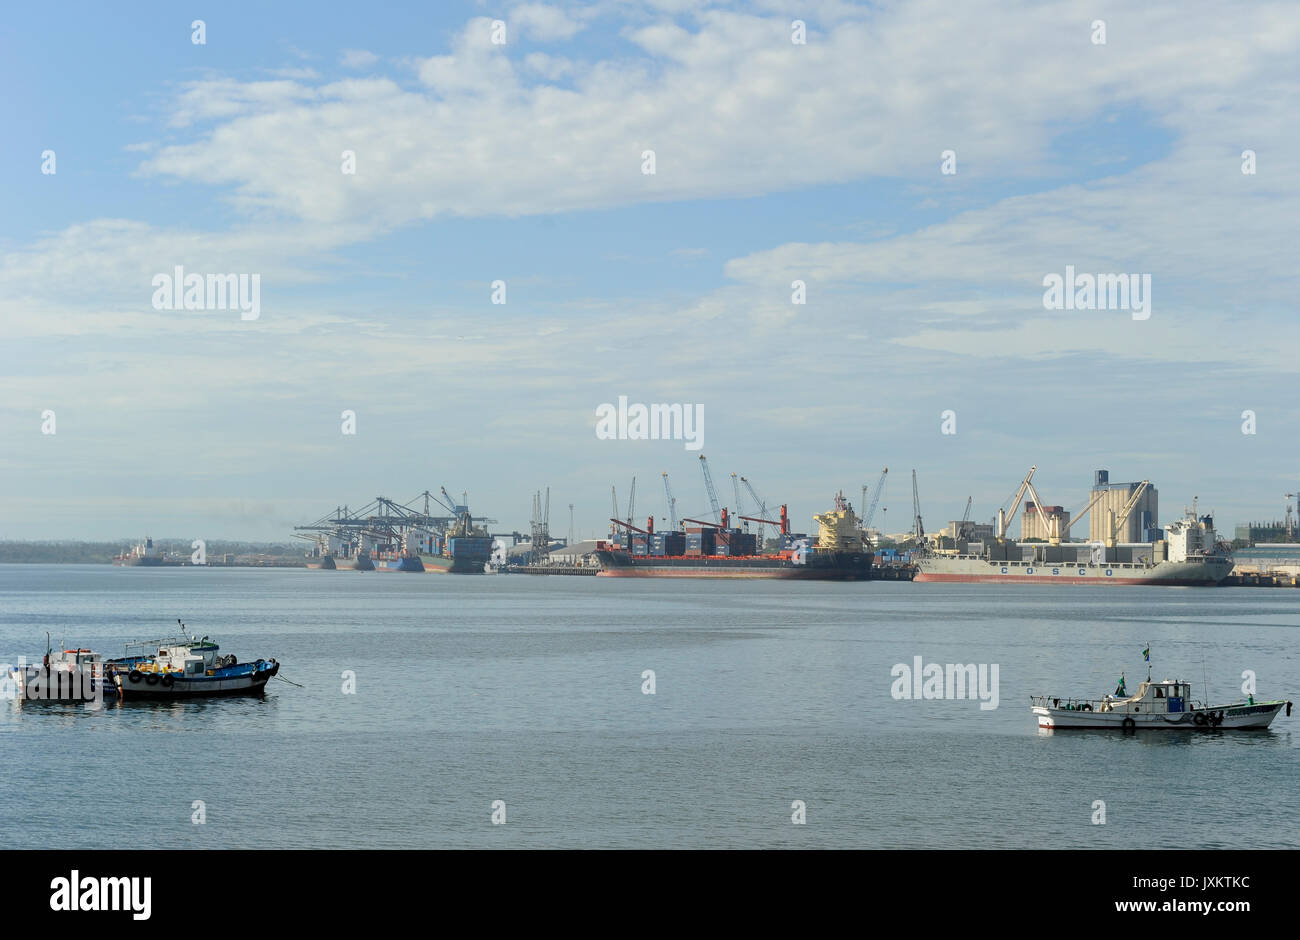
[[461, 564], [978, 571], [838, 567], [406, 564], [1238, 717]]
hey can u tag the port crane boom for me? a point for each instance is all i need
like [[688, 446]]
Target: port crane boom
[[871, 510], [918, 529]]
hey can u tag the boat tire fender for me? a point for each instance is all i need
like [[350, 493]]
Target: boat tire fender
[[1128, 724], [168, 681], [151, 679], [135, 675], [1200, 718]]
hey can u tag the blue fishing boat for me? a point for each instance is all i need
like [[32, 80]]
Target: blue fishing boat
[[185, 666]]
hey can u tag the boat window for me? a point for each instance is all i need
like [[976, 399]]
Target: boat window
[[1160, 693]]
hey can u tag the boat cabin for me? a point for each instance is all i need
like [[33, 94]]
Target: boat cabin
[[1167, 696], [74, 659]]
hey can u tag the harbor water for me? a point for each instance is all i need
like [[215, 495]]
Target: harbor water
[[427, 698]]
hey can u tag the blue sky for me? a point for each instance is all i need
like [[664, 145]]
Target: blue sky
[[521, 162]]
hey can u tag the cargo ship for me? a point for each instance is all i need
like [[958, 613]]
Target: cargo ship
[[463, 549], [1189, 555], [708, 550], [145, 555]]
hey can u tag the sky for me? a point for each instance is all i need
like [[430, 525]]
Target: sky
[[522, 161]]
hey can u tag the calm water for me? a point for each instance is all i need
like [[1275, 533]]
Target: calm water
[[528, 690]]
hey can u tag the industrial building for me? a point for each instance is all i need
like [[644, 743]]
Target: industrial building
[[1253, 532], [964, 529], [1141, 524], [1036, 522]]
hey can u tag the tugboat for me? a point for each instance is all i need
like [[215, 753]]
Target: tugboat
[[1159, 705], [186, 666], [67, 676]]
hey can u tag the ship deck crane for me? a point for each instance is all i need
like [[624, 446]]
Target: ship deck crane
[[672, 504], [735, 489], [1112, 527], [708, 485], [1064, 533], [762, 511], [1005, 517]]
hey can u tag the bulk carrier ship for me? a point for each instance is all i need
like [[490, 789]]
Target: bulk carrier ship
[[1188, 555], [709, 550]]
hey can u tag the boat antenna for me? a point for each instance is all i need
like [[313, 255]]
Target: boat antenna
[[1205, 682], [1148, 660]]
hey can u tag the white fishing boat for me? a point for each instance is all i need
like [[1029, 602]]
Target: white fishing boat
[[186, 666], [68, 675], [1166, 704]]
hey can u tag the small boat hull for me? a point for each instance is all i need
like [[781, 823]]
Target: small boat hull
[[37, 684], [245, 679], [1236, 717]]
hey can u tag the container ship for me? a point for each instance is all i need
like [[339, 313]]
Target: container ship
[[1188, 554], [464, 548], [708, 550]]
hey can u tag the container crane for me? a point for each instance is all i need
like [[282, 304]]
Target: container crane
[[713, 494]]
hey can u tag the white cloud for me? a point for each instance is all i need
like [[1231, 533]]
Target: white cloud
[[543, 23], [357, 59]]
